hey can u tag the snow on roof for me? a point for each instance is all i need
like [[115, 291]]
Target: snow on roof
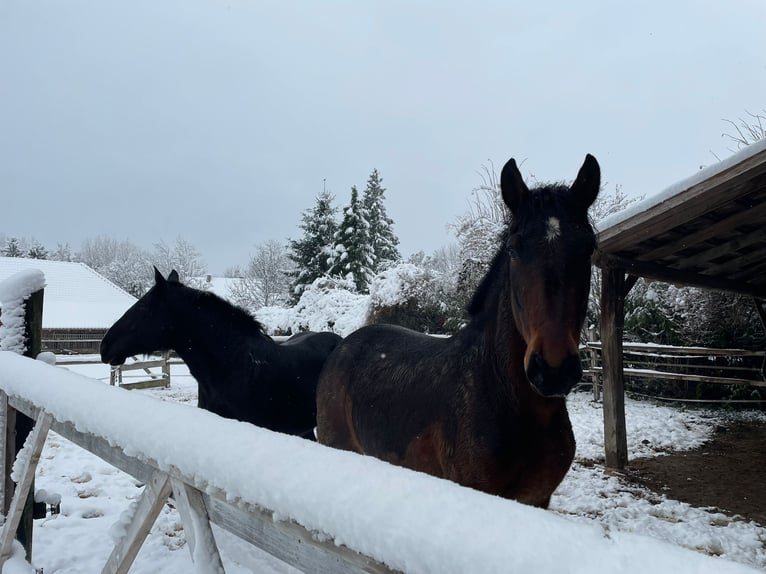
[[76, 297], [681, 186]]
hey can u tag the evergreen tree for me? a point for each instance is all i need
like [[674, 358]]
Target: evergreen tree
[[312, 254], [37, 251], [383, 240], [12, 248], [353, 255]]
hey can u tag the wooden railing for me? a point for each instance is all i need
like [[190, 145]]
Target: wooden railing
[[666, 363], [154, 380]]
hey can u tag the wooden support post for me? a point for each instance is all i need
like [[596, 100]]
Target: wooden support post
[[156, 493], [24, 487], [166, 368], [7, 452], [612, 321], [199, 534], [33, 335]]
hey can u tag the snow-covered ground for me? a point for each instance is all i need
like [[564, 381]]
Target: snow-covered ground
[[94, 495]]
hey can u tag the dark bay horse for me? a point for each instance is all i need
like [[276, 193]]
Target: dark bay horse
[[241, 372], [485, 408]]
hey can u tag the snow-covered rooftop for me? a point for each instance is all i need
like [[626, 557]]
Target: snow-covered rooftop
[[673, 190], [75, 295]]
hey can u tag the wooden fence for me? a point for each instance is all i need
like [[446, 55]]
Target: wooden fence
[[297, 532], [665, 364]]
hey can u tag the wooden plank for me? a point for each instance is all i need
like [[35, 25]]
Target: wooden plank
[[153, 498], [143, 365], [7, 425], [649, 374], [26, 479], [149, 384], [698, 199], [612, 321], [289, 541], [703, 257], [286, 540], [196, 522], [679, 277], [671, 350], [707, 232]]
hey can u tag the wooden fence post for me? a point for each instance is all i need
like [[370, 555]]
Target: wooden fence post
[[166, 368], [760, 306], [593, 353], [33, 334]]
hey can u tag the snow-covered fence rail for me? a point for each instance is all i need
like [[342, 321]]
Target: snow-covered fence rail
[[319, 509], [685, 364]]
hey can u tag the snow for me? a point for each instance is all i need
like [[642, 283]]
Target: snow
[[322, 307], [416, 522], [597, 522], [13, 292], [681, 186], [75, 295]]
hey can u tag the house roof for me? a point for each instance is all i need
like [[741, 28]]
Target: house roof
[[707, 231], [75, 295]]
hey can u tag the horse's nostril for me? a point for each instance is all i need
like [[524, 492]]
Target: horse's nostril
[[550, 381], [536, 369]]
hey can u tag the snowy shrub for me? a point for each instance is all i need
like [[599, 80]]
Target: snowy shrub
[[328, 304], [412, 297]]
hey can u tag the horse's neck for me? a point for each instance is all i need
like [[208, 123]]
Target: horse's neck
[[210, 342], [501, 346]]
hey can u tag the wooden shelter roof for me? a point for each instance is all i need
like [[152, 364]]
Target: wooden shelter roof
[[706, 231]]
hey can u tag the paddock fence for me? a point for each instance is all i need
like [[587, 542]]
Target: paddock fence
[[684, 374]]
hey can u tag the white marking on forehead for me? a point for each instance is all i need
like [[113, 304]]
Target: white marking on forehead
[[552, 228]]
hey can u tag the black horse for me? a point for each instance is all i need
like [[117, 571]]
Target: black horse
[[241, 372], [486, 407]]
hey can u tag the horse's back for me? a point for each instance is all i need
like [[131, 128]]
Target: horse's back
[[322, 343], [367, 379]]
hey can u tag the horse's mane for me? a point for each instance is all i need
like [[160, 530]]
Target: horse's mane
[[550, 197], [236, 314]]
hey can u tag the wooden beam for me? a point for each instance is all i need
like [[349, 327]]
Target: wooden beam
[[33, 333], [732, 183], [612, 322], [153, 498], [729, 248], [196, 522], [8, 454], [716, 229], [677, 277], [287, 540]]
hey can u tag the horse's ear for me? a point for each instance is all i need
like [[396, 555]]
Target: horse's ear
[[158, 278], [585, 188], [173, 277], [512, 185]]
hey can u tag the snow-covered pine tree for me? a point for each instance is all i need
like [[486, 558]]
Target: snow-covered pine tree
[[312, 254], [383, 240], [353, 256], [12, 248], [37, 251]]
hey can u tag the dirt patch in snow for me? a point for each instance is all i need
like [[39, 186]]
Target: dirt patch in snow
[[729, 472]]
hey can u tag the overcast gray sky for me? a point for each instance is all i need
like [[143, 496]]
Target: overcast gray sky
[[218, 121]]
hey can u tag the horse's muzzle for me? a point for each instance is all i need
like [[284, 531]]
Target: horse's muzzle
[[550, 381]]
